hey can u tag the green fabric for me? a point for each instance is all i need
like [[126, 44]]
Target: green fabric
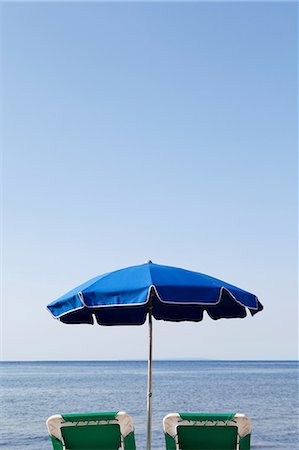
[[89, 416], [170, 442], [207, 438], [129, 441], [92, 437], [204, 417], [245, 442], [56, 444]]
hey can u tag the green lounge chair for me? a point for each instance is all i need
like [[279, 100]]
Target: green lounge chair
[[207, 431], [94, 431]]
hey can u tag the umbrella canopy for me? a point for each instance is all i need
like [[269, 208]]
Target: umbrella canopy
[[128, 296], [124, 297]]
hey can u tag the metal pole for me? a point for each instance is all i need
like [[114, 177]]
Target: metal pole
[[149, 381]]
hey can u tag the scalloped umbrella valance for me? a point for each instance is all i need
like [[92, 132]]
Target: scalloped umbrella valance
[[128, 296]]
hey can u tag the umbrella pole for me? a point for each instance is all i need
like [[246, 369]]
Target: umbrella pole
[[149, 381]]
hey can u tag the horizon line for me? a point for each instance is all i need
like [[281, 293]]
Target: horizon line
[[145, 360]]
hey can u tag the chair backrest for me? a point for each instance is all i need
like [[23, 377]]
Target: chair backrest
[[207, 431], [93, 431]]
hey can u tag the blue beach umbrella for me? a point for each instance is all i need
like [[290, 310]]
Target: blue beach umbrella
[[128, 296]]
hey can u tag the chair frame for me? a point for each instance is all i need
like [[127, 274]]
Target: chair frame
[[171, 422], [57, 422]]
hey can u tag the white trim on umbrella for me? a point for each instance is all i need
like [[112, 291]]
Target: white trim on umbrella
[[169, 302]]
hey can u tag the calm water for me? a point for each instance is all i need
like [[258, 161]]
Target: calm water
[[266, 391]]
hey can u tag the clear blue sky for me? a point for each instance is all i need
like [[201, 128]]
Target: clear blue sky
[[163, 131]]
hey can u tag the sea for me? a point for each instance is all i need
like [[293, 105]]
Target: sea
[[266, 391]]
